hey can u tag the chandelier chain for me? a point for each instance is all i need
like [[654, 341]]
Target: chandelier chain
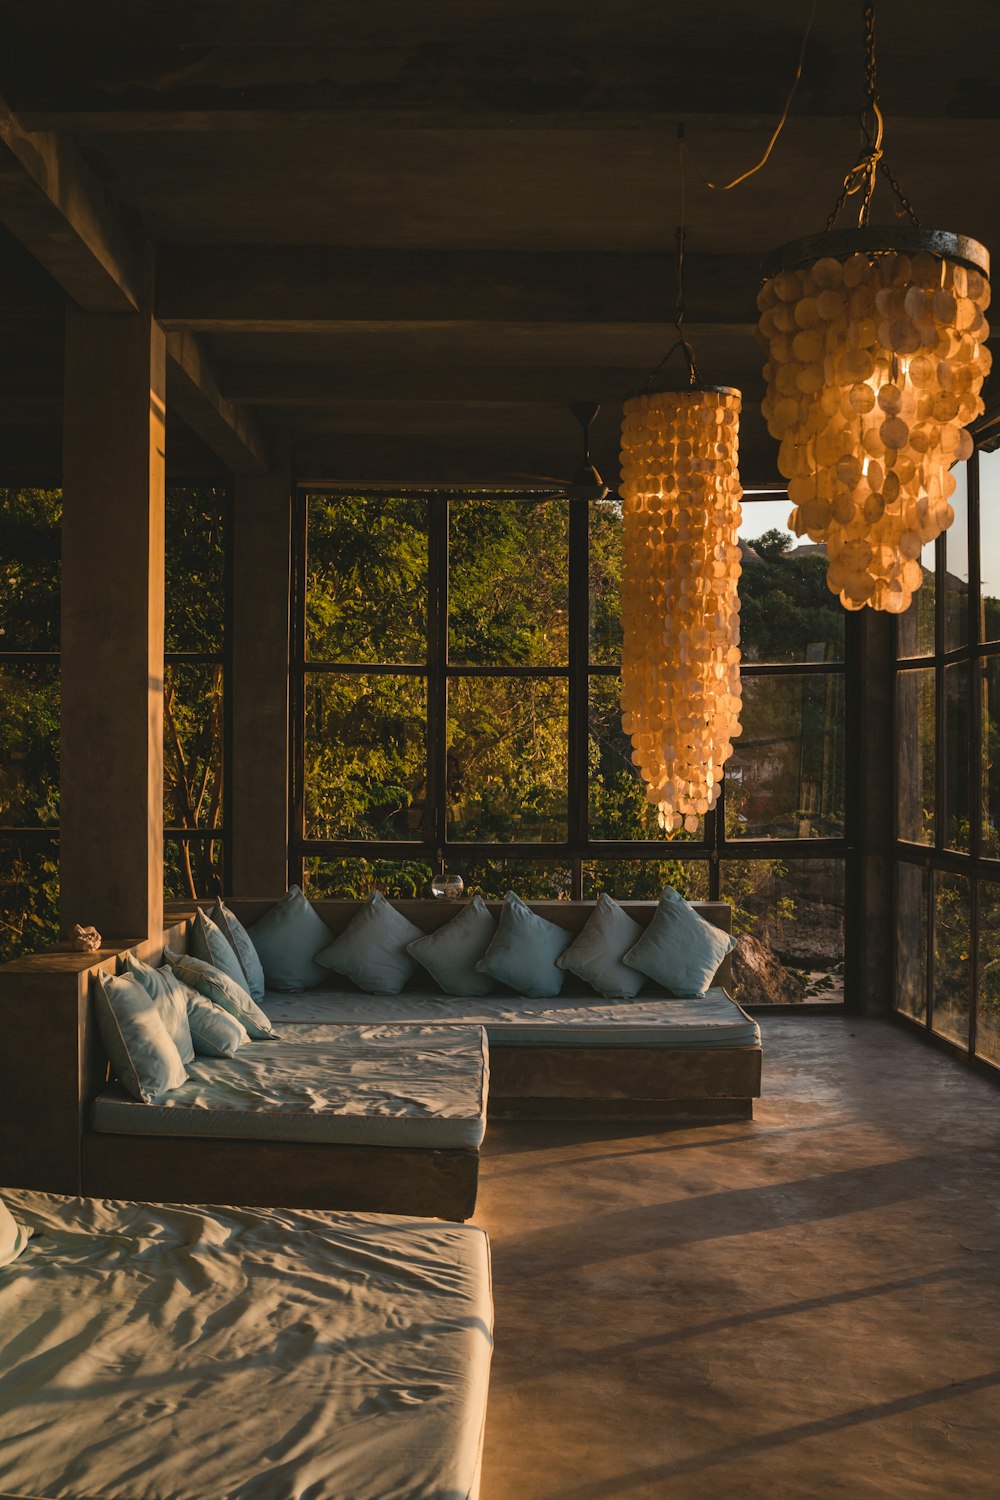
[[680, 308]]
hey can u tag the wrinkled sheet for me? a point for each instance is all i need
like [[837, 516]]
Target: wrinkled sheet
[[417, 1086], [171, 1353], [712, 1020]]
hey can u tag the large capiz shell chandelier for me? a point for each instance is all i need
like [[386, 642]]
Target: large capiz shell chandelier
[[680, 608], [876, 359]]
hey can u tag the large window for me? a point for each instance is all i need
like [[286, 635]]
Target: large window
[[947, 887], [456, 690], [29, 719]]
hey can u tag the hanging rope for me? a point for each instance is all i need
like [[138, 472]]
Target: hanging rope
[[680, 309]]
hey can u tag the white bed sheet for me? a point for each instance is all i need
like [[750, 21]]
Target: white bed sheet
[[173, 1353], [712, 1020], [410, 1086]]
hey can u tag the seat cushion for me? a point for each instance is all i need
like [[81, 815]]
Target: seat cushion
[[352, 1085]]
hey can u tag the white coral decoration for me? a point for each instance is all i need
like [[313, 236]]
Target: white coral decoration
[[87, 939]]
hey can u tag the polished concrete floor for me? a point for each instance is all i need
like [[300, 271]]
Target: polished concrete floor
[[805, 1306]]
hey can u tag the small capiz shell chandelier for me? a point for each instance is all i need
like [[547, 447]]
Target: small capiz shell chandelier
[[876, 359], [680, 608]]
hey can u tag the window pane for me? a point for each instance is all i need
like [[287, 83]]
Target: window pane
[[29, 744], [192, 745], [644, 879], [507, 759], [989, 545], [916, 626], [508, 577], [533, 880], [366, 579], [29, 895], [606, 580], [989, 698], [791, 914], [786, 775], [915, 756], [788, 613], [617, 793], [192, 868], [912, 890], [956, 578], [952, 966], [365, 756], [988, 999], [195, 568], [957, 732], [29, 569], [357, 878]]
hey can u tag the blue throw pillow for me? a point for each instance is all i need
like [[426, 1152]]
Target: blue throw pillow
[[524, 952], [13, 1236], [371, 950], [287, 939], [596, 955], [223, 992], [143, 1058], [679, 949], [451, 953], [210, 944], [214, 1032], [170, 996], [242, 944]]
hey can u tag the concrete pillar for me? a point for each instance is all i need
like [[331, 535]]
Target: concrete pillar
[[876, 814], [259, 688], [111, 836]]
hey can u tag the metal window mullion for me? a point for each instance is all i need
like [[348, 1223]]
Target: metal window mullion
[[437, 668], [229, 588], [579, 650], [296, 686]]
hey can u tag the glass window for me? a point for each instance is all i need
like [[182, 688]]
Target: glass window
[[989, 700], [956, 577], [29, 569], [353, 879], [507, 759], [619, 808], [787, 611], [644, 879], [365, 756], [958, 729], [605, 590], [912, 892], [786, 775], [916, 626], [192, 868], [192, 744], [988, 998], [366, 579], [915, 718], [989, 545], [29, 894], [532, 879], [195, 568], [508, 571], [792, 910], [29, 743], [952, 957]]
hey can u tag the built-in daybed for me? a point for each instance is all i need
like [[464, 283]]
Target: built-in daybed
[[574, 1055], [176, 1353]]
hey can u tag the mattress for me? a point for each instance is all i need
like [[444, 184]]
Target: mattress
[[369, 1085], [170, 1353], [712, 1020]]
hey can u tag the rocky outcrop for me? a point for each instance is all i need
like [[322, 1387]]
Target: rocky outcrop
[[760, 978]]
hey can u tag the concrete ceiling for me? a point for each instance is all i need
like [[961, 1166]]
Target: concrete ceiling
[[406, 236]]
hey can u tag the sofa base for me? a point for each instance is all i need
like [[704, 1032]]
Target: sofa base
[[677, 1111], [282, 1174]]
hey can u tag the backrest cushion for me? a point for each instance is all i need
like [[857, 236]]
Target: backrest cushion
[[679, 949], [524, 952], [596, 955], [145, 1060], [450, 954], [287, 939], [170, 996], [222, 991], [371, 950], [242, 944]]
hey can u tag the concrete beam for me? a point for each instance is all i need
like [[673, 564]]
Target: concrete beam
[[111, 829], [228, 429], [233, 288], [52, 202]]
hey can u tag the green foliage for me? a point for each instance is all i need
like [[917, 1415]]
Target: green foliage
[[787, 611]]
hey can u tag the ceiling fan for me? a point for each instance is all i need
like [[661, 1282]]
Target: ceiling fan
[[586, 483]]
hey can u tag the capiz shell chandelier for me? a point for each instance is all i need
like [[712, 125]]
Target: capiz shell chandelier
[[876, 359], [680, 608]]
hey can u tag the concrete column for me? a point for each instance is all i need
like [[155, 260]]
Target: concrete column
[[876, 814], [259, 717], [112, 624]]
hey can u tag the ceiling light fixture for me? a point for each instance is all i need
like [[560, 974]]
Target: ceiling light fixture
[[876, 358]]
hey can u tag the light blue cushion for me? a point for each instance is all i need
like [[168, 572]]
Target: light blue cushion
[[210, 944], [145, 1060], [214, 1031], [596, 954], [679, 949], [13, 1236], [240, 941], [287, 939], [222, 991], [371, 950], [451, 953], [170, 997], [524, 952]]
